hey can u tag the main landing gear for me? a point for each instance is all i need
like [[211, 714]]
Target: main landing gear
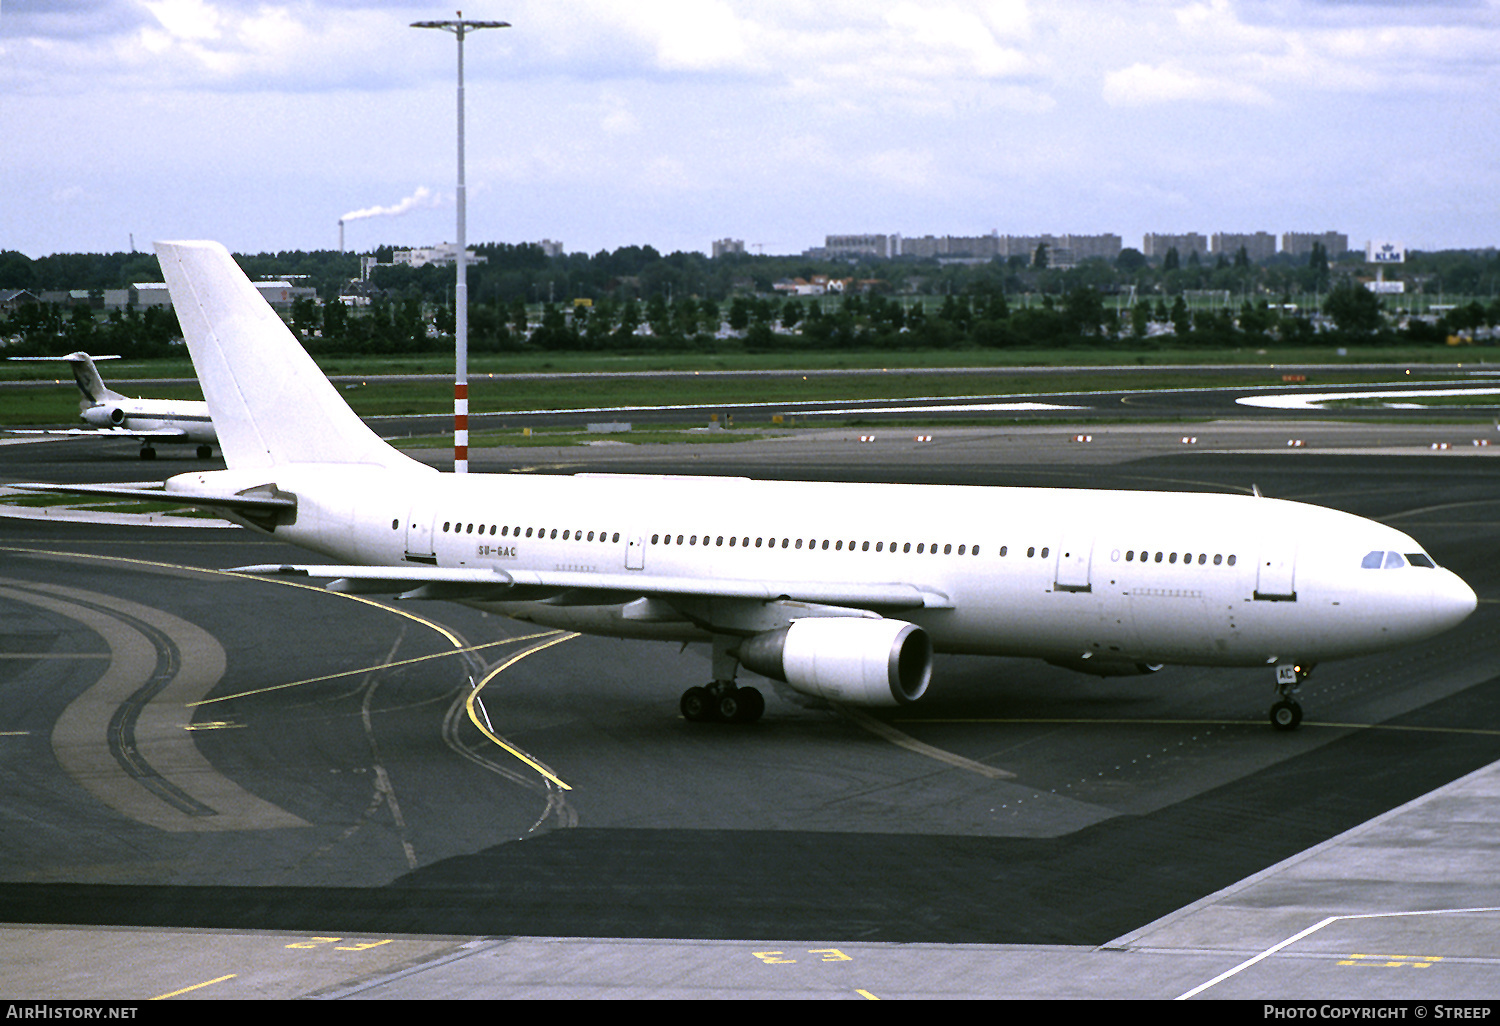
[[723, 701], [1285, 712]]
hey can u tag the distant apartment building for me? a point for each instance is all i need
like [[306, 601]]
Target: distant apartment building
[[1156, 246], [1258, 246], [838, 247], [937, 247], [723, 247], [1062, 250], [1335, 244], [551, 248]]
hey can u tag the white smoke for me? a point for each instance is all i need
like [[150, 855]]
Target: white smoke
[[421, 199]]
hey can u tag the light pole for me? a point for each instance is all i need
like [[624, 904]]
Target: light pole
[[460, 28]]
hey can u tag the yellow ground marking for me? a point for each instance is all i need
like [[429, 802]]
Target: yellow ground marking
[[370, 669], [866, 995], [1393, 961], [196, 986], [512, 749], [86, 557], [911, 744], [453, 639]]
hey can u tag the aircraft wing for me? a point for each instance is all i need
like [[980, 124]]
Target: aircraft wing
[[501, 585]]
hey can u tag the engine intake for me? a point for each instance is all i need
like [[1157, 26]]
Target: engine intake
[[860, 661]]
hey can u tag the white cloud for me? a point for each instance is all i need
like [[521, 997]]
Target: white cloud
[[1146, 84], [607, 122]]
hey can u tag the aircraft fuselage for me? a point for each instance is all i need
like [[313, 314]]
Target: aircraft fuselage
[[1101, 581]]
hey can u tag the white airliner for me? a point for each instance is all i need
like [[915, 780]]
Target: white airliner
[[148, 420], [842, 591]]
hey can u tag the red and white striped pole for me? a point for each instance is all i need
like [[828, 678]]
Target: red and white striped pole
[[461, 291], [461, 423]]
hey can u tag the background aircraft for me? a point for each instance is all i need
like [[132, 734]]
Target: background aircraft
[[171, 421]]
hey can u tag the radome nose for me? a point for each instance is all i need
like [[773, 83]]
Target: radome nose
[[1452, 601]]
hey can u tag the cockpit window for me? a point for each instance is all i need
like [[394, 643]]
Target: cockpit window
[[1379, 560]]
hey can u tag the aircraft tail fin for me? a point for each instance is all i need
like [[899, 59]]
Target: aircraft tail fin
[[94, 390], [270, 403]]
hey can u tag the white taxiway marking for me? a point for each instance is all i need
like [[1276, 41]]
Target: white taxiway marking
[[1315, 400]]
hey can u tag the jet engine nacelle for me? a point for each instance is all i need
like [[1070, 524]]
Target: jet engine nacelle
[[104, 416], [1106, 667], [860, 661]]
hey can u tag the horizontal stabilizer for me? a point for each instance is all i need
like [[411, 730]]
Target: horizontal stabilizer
[[70, 358], [157, 492]]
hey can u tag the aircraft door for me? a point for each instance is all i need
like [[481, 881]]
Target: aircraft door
[[1275, 576], [1073, 557], [635, 552], [419, 520]]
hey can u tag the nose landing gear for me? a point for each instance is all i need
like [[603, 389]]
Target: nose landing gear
[[1286, 714]]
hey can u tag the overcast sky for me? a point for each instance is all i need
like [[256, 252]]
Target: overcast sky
[[673, 123]]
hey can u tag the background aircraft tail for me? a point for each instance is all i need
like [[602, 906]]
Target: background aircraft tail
[[270, 403], [94, 390]]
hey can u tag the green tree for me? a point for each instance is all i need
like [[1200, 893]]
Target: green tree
[[1355, 309]]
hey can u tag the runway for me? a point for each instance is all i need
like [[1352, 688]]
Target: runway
[[289, 788]]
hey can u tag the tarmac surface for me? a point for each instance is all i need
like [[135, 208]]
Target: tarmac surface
[[216, 787]]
